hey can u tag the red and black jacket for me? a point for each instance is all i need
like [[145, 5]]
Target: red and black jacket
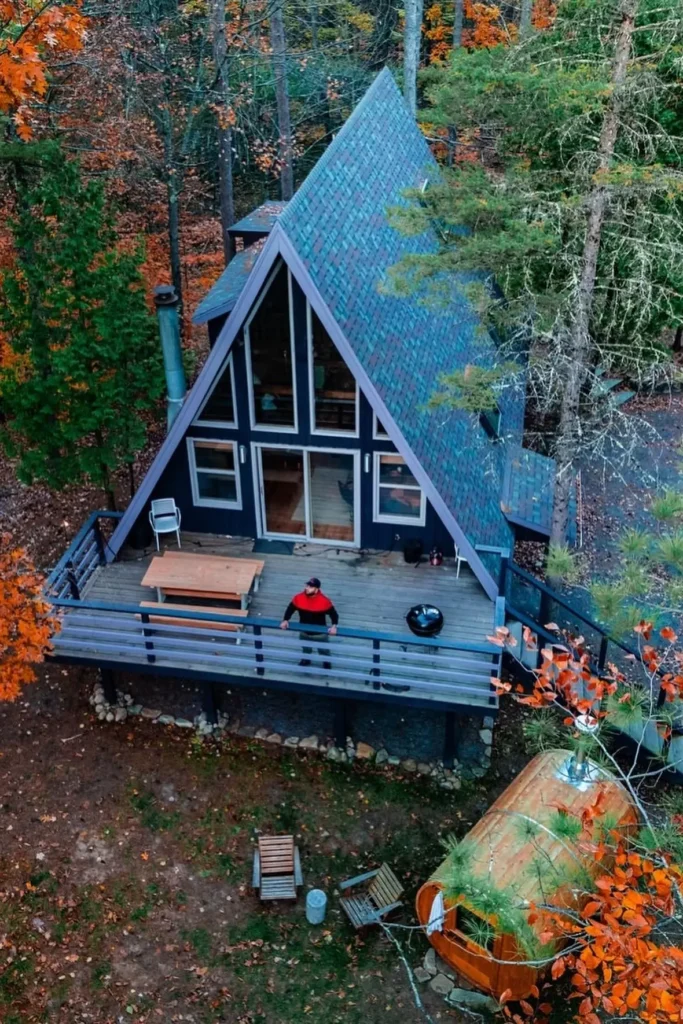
[[313, 610]]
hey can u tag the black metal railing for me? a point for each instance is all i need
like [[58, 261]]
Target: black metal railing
[[80, 560], [220, 643]]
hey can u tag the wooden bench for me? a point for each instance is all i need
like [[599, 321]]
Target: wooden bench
[[277, 868], [376, 901], [168, 620]]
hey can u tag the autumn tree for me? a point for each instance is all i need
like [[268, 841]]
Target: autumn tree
[[29, 34], [570, 200], [85, 368], [616, 932], [25, 623]]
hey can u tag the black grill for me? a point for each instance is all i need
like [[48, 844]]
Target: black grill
[[425, 620]]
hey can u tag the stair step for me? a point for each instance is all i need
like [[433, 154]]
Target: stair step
[[622, 397], [608, 384]]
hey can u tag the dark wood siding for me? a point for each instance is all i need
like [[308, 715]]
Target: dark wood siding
[[175, 481]]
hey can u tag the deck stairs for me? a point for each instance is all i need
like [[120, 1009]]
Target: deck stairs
[[606, 387]]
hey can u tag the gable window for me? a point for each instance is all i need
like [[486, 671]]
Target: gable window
[[219, 408], [398, 496], [333, 388], [213, 473], [490, 421], [268, 338], [378, 431]]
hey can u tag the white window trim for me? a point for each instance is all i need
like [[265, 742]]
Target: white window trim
[[379, 517], [306, 538], [192, 462], [319, 431], [273, 428], [376, 436], [232, 424]]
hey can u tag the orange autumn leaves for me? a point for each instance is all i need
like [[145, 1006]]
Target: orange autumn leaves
[[627, 967], [29, 31], [484, 26], [25, 624]]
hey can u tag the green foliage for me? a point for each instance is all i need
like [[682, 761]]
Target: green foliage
[[565, 826], [542, 730], [474, 389], [635, 544], [561, 563], [669, 550], [668, 506], [83, 366], [481, 896]]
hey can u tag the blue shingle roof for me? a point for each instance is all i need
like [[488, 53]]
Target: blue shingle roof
[[529, 488], [261, 219], [226, 291], [338, 225]]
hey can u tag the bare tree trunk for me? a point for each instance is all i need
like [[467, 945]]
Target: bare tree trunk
[[458, 23], [525, 17], [220, 56], [314, 25], [458, 19], [678, 340], [412, 38], [278, 43], [172, 200], [579, 341]]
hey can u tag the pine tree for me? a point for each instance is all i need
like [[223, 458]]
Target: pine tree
[[568, 193], [82, 364]]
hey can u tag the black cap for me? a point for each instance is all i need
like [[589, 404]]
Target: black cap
[[313, 582]]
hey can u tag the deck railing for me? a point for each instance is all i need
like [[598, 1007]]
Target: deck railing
[[80, 560], [258, 647]]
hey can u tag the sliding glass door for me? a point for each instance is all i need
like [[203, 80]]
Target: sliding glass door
[[309, 494]]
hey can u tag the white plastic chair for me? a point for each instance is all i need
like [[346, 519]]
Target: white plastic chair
[[459, 560], [164, 517]]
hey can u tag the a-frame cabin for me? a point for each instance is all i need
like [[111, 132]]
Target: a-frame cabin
[[307, 442]]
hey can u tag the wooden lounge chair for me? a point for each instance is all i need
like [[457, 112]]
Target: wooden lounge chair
[[277, 868], [377, 900]]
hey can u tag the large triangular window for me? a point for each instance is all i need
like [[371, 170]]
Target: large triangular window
[[219, 409], [268, 337], [333, 388]]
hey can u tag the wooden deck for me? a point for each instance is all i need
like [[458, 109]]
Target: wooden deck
[[372, 593]]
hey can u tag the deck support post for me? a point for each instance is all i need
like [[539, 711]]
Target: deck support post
[[99, 541], [108, 685], [449, 741], [209, 703], [341, 723]]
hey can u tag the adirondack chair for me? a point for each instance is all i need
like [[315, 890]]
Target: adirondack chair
[[277, 868], [377, 900]]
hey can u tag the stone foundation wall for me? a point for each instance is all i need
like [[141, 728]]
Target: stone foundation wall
[[392, 744]]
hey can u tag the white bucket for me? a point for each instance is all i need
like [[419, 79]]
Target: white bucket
[[316, 905]]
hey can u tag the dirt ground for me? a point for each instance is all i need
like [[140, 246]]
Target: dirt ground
[[125, 865]]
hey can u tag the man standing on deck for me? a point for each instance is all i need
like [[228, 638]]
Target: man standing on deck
[[313, 608]]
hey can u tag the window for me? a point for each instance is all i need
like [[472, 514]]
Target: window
[[475, 928], [213, 473], [378, 431], [268, 337], [490, 421], [219, 408], [398, 496], [334, 393]]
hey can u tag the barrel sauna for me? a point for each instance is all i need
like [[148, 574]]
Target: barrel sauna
[[502, 854]]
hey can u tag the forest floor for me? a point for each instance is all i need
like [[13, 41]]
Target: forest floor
[[125, 867]]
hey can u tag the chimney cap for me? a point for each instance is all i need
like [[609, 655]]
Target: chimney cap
[[165, 295]]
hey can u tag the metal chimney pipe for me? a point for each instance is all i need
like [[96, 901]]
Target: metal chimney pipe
[[166, 302]]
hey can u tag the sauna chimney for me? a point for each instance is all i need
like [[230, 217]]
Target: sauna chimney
[[579, 770], [166, 302]]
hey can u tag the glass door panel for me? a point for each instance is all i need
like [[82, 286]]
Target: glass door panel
[[284, 491], [332, 495]]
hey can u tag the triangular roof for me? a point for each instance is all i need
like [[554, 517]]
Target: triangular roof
[[335, 237]]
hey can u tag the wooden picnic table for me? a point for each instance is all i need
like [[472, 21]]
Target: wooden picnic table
[[181, 574]]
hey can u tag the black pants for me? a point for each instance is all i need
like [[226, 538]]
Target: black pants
[[324, 652]]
